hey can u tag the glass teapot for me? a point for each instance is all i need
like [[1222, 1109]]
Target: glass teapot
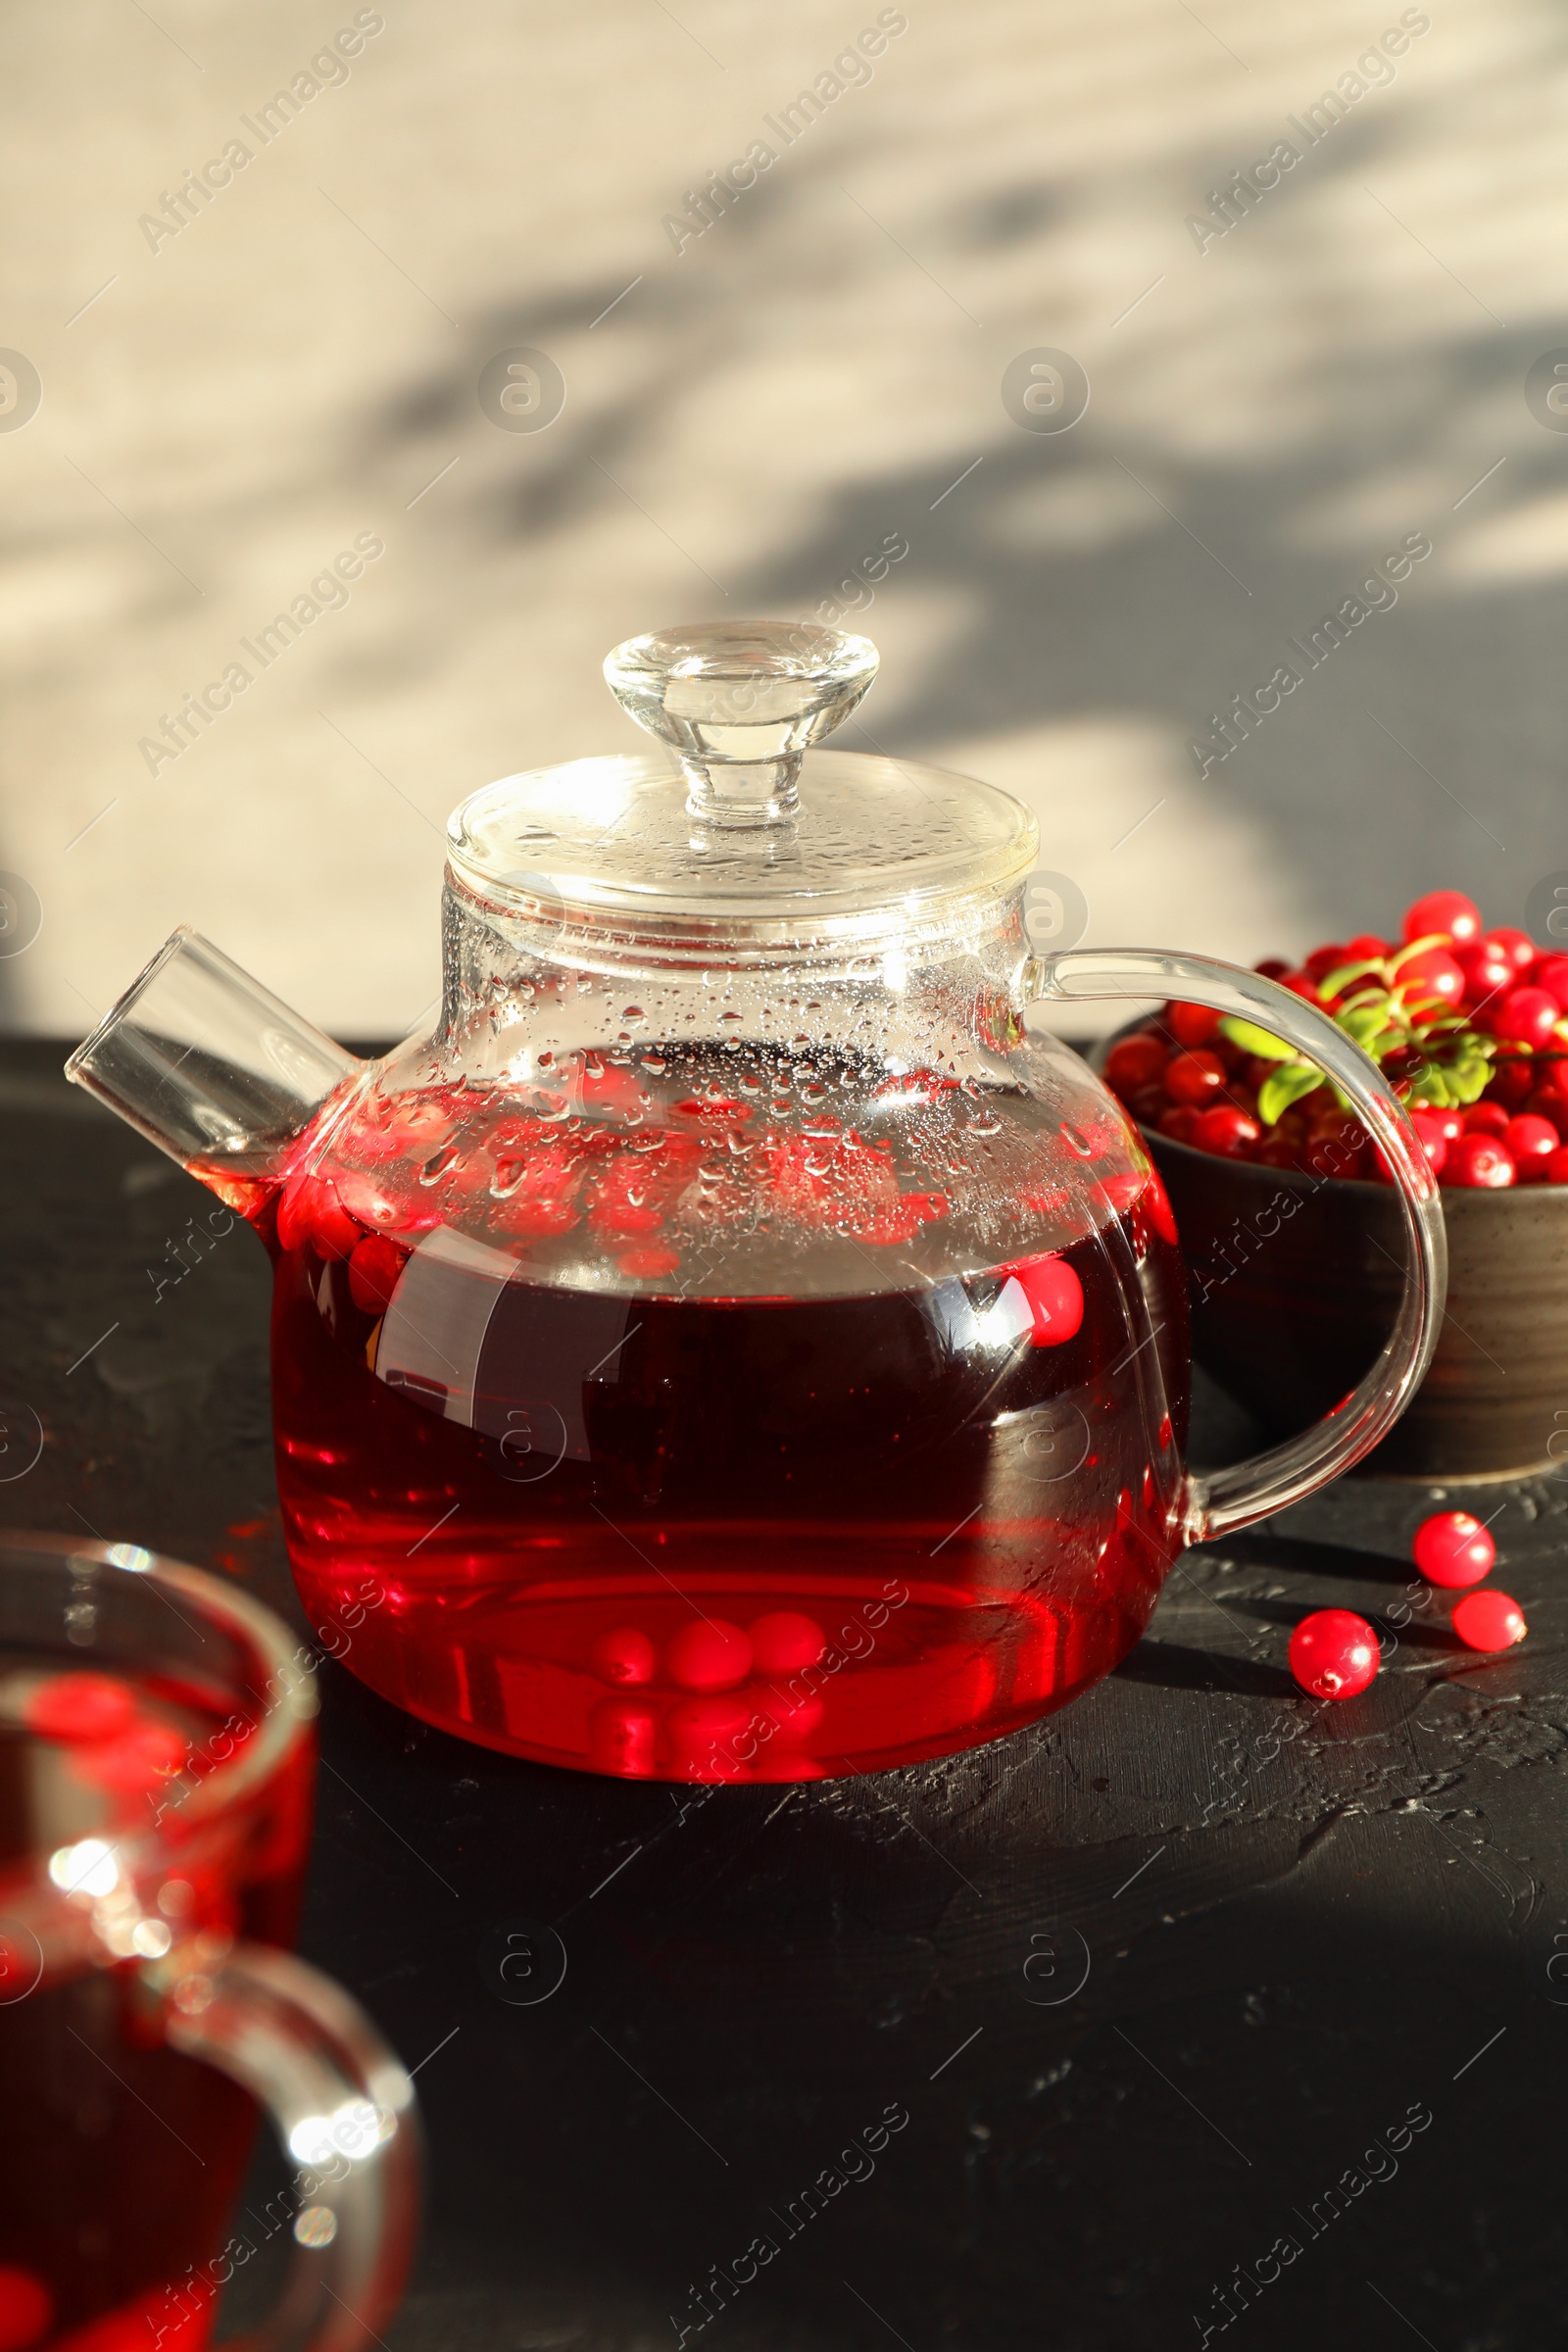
[[731, 1345]]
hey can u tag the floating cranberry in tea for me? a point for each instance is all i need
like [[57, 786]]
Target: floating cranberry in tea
[[1453, 1548], [707, 1655], [80, 1707], [1055, 1295], [785, 1640], [1334, 1654], [625, 1655], [1489, 1620]]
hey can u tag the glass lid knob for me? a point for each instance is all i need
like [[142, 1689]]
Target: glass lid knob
[[740, 701]]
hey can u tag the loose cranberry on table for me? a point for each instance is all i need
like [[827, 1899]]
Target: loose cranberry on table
[[1480, 1163], [1453, 1548], [1557, 1166], [1446, 911], [1490, 1620], [1334, 1654]]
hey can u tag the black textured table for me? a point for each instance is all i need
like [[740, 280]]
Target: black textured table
[[1199, 2007]]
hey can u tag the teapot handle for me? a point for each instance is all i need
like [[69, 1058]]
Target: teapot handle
[[1235, 1496]]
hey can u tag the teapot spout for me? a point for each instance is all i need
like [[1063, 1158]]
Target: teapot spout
[[211, 1067]]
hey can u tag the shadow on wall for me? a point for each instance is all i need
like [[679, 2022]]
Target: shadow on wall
[[1100, 573]]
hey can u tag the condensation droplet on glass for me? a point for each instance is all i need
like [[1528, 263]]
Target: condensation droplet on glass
[[633, 1015], [440, 1164], [506, 1178], [1076, 1141]]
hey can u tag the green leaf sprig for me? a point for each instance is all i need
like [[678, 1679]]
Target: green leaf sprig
[[1388, 1018]]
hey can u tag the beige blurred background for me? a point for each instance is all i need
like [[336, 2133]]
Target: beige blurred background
[[750, 418]]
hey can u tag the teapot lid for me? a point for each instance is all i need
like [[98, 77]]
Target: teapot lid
[[740, 818]]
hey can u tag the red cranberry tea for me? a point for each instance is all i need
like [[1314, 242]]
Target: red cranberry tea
[[120, 2159], [670, 1519]]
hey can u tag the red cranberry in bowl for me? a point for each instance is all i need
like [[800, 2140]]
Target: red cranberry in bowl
[[1446, 911], [1433, 977], [1432, 1128], [1137, 1061], [1519, 948], [1512, 1081], [1525, 1017], [1226, 1130], [1480, 1162], [1544, 1104], [1194, 1077], [1552, 972], [1489, 972], [1190, 1024], [1532, 1142]]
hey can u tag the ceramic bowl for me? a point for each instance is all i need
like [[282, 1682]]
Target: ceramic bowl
[[1295, 1280]]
